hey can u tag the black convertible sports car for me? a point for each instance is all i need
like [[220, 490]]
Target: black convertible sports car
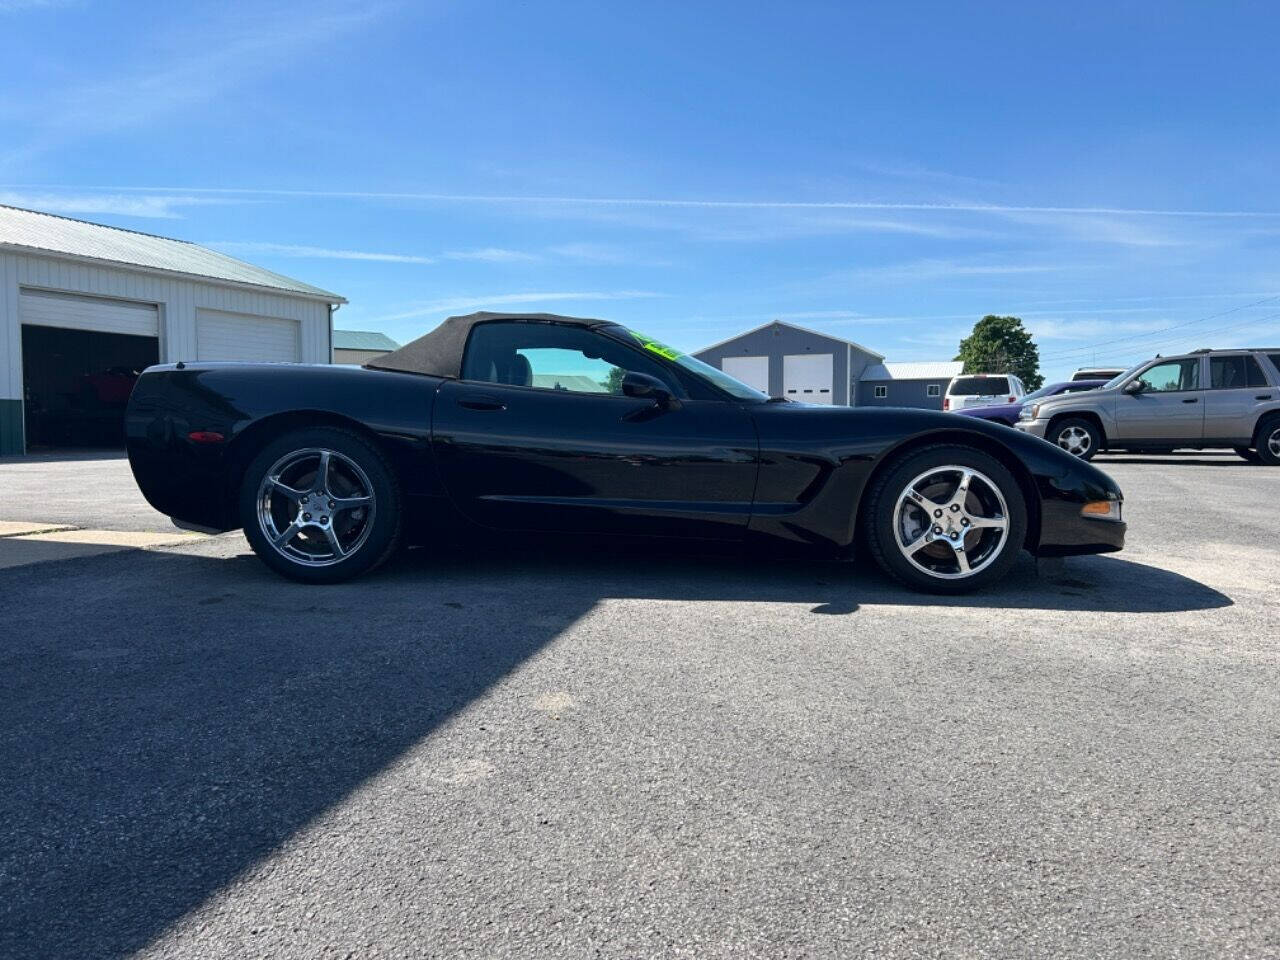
[[544, 423]]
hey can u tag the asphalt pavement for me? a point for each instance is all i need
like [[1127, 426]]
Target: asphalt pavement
[[94, 490], [587, 752]]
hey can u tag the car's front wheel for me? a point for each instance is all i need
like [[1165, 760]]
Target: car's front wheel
[[1076, 435], [320, 505], [947, 519]]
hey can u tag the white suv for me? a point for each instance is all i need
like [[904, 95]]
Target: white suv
[[982, 390]]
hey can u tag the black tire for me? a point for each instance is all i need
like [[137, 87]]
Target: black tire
[[1072, 433], [1267, 441], [997, 555], [1247, 454], [366, 533]]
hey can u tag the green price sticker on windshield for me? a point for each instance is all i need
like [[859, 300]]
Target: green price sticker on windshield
[[654, 346]]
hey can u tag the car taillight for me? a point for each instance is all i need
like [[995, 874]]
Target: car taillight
[[946, 403], [1011, 399]]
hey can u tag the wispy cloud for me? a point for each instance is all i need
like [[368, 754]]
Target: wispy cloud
[[539, 298], [304, 252], [150, 205], [784, 224], [17, 6], [819, 315], [491, 255], [179, 75], [915, 228], [708, 204], [914, 171], [720, 327], [1075, 328], [1212, 295], [313, 253], [939, 269], [604, 254], [580, 252], [1119, 230]]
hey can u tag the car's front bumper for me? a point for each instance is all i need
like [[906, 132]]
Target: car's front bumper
[[1037, 428], [1065, 533]]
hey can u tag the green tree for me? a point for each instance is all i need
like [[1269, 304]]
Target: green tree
[[1002, 345], [613, 382]]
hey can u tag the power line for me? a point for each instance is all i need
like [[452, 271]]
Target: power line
[[1145, 350], [1226, 329], [1155, 333]]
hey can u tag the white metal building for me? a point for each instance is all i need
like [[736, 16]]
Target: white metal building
[[906, 384], [84, 306]]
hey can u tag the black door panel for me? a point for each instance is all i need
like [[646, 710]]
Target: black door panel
[[516, 457]]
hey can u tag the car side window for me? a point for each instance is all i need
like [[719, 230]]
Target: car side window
[[1235, 373], [551, 356], [1172, 376], [1275, 360]]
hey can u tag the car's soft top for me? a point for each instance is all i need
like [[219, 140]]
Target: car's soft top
[[439, 353]]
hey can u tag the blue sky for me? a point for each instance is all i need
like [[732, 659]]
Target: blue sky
[[884, 172]]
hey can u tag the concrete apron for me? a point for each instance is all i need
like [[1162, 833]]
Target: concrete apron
[[23, 542]]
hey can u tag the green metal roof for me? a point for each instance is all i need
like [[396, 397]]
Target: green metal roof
[[362, 340], [44, 233]]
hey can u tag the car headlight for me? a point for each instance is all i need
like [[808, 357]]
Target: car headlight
[[1101, 510], [1029, 411]]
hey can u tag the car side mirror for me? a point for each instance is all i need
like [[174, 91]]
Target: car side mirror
[[641, 386], [1134, 387]]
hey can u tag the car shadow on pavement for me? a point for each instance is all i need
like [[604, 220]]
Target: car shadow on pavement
[[167, 721], [65, 456], [1173, 460], [661, 572]]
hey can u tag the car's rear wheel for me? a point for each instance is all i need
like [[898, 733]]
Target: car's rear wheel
[[1079, 437], [1268, 445], [1247, 453], [947, 519], [320, 505]]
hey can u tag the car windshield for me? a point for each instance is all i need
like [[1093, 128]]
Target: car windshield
[[1052, 390], [979, 386], [735, 388], [1116, 381]]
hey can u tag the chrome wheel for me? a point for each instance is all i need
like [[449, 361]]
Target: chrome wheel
[[1273, 443], [1075, 440], [315, 506], [951, 522]]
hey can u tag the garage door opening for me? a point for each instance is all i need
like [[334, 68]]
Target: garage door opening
[[76, 384]]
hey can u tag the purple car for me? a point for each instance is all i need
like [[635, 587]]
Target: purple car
[[1007, 413]]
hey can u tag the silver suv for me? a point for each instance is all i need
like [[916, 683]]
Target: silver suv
[[1209, 398]]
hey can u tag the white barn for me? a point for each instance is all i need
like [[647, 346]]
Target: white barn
[[84, 306]]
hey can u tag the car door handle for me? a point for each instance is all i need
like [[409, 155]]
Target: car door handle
[[1263, 396], [481, 402], [1191, 400]]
